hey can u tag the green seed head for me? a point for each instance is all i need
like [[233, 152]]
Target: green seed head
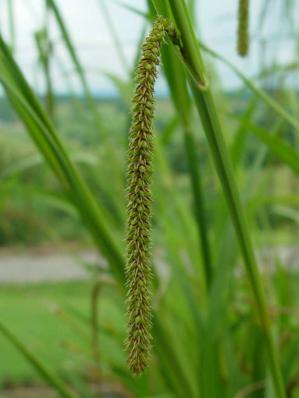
[[243, 28], [138, 267]]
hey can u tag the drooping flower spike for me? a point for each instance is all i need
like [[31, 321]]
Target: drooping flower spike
[[243, 28], [138, 267]]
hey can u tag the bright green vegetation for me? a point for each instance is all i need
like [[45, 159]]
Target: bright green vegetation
[[30, 311], [225, 207], [63, 340], [53, 319]]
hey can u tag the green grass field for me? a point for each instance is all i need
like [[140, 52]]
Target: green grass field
[[60, 338], [29, 312]]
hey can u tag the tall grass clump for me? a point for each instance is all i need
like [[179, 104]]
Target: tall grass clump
[[207, 327], [204, 102]]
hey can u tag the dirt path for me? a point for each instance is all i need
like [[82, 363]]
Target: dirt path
[[38, 267], [48, 265]]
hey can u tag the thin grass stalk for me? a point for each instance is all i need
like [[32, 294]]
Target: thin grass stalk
[[183, 106], [176, 79], [117, 44], [267, 99], [11, 25], [132, 9], [52, 379], [181, 213], [178, 87], [74, 57], [44, 49], [199, 204], [47, 67], [95, 323], [283, 151], [207, 111], [49, 90], [64, 316], [75, 101], [94, 319], [179, 382]]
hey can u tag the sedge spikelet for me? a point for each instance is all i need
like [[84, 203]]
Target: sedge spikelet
[[138, 267], [243, 28]]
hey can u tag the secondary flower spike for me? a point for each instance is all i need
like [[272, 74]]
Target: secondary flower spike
[[138, 267], [243, 28]]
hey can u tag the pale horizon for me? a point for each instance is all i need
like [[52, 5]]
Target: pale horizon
[[90, 34]]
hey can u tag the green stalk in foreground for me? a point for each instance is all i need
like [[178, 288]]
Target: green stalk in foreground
[[176, 79], [207, 111]]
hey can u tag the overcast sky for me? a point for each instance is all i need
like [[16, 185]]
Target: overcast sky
[[88, 27]]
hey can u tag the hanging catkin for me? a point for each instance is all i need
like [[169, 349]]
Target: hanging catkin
[[138, 268], [243, 28]]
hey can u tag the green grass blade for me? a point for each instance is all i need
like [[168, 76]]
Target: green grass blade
[[179, 382], [277, 146], [75, 59], [132, 9], [199, 205], [117, 44], [169, 130], [11, 24], [237, 147], [45, 373], [45, 51], [267, 99]]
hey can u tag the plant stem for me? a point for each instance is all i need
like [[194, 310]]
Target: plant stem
[[176, 78], [44, 50], [11, 21], [207, 111], [199, 204], [48, 63], [96, 289], [79, 68], [117, 44]]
